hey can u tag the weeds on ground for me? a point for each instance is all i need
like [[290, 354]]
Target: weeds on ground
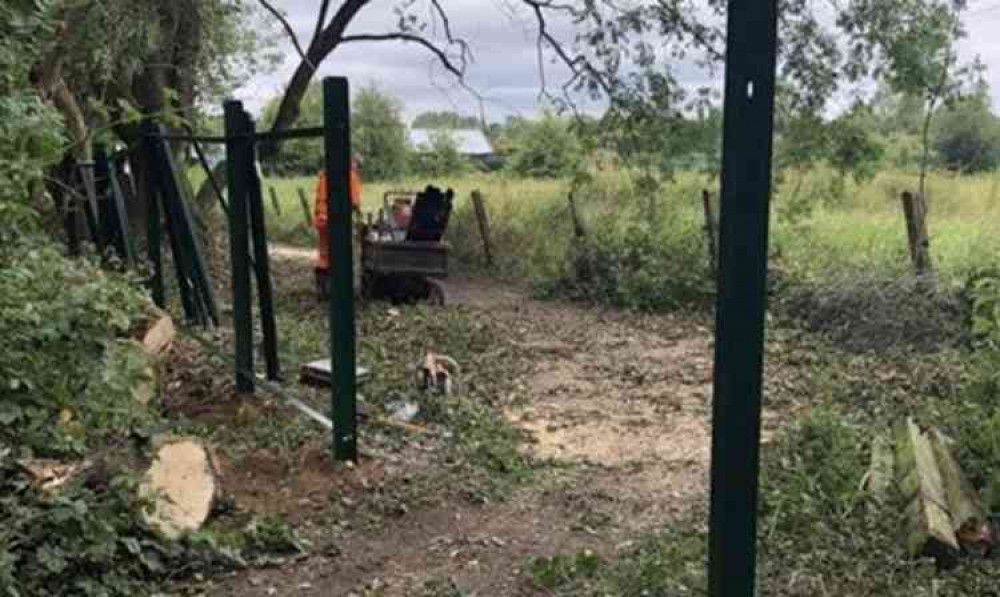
[[472, 439], [562, 570]]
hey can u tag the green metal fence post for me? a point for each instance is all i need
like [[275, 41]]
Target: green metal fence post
[[162, 174], [261, 264], [337, 145], [124, 240], [739, 345], [193, 256], [237, 166], [153, 224]]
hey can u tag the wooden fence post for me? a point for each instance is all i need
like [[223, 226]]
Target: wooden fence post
[[305, 207], [915, 211], [710, 205], [274, 201], [484, 225]]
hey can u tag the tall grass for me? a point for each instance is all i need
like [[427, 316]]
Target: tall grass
[[636, 239], [865, 230]]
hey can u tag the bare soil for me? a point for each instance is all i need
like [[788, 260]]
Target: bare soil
[[616, 410]]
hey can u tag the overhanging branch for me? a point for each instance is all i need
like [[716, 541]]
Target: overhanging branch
[[289, 31], [447, 61]]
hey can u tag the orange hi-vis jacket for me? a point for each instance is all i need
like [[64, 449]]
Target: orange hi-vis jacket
[[320, 216]]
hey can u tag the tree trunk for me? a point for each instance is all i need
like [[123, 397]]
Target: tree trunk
[[925, 138], [323, 44]]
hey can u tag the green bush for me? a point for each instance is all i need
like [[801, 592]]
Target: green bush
[[816, 475], [31, 131], [967, 136], [644, 253], [547, 148], [441, 159], [65, 381], [984, 298]]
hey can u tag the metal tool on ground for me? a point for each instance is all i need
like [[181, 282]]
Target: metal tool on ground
[[438, 373], [320, 373]]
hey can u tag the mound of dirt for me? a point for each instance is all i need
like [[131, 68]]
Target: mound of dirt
[[880, 313]]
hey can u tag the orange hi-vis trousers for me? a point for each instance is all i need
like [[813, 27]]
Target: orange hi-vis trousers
[[322, 261]]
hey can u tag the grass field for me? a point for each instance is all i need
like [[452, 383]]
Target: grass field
[[813, 236]]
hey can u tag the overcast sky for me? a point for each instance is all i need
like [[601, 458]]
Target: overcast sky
[[505, 70]]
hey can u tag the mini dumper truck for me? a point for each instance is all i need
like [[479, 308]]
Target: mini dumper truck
[[404, 256]]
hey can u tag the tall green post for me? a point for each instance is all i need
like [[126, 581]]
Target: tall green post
[[154, 233], [261, 262], [739, 332], [337, 144], [238, 165]]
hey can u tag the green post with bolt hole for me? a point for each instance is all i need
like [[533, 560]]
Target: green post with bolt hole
[[337, 145], [739, 331]]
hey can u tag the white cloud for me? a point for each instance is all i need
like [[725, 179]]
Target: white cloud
[[505, 70]]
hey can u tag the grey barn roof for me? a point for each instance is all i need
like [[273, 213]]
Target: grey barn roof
[[468, 141]]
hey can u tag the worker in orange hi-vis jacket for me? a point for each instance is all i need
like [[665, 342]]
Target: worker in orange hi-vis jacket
[[322, 261]]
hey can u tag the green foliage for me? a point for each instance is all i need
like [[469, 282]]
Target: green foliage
[[916, 54], [641, 266], [239, 41], [547, 148], [653, 127], [66, 381], [984, 296], [378, 134], [822, 461], [854, 150], [668, 562], [269, 535], [87, 540], [300, 156], [441, 158], [806, 140], [967, 135], [635, 256], [80, 542], [30, 130], [896, 113]]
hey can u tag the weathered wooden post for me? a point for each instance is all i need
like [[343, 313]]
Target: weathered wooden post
[[343, 357], [482, 217], [710, 206], [304, 202], [751, 50], [915, 212], [274, 201]]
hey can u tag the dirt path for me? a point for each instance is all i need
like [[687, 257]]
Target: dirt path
[[620, 402], [289, 252]]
